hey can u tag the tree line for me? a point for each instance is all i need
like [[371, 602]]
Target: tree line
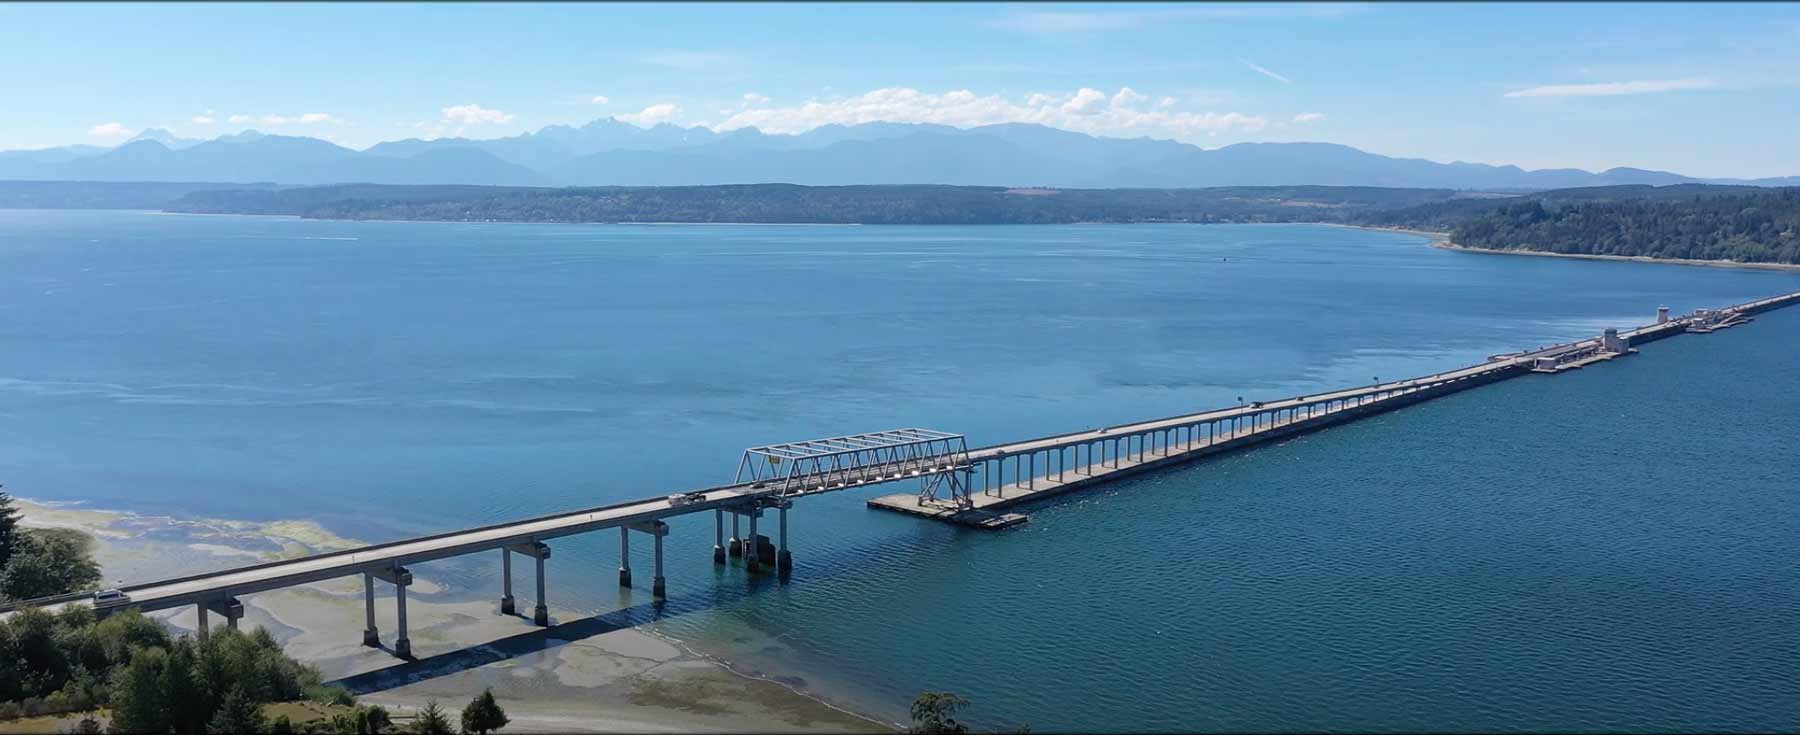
[[786, 203], [1758, 228]]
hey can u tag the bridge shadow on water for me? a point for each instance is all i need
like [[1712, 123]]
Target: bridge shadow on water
[[403, 672]]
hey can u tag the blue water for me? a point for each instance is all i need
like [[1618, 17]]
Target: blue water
[[1606, 550]]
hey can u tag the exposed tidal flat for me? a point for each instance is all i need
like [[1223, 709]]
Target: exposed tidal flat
[[1606, 550]]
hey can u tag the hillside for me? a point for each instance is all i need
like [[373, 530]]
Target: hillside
[[1761, 227]]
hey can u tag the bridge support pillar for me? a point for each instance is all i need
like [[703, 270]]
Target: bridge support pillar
[[737, 544], [401, 578], [624, 557], [402, 644], [507, 606], [540, 615], [229, 607], [371, 637], [784, 561], [719, 535], [658, 589], [751, 562], [200, 625]]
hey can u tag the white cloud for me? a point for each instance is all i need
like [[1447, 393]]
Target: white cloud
[[601, 99], [240, 119], [752, 99], [1266, 72], [311, 118], [652, 115], [1087, 110], [1306, 117], [1166, 102], [473, 114], [204, 119], [1085, 102], [1608, 89], [110, 130], [1127, 97]]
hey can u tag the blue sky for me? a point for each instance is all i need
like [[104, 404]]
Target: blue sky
[[1709, 90]]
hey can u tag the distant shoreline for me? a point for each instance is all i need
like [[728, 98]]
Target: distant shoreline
[[1441, 241]]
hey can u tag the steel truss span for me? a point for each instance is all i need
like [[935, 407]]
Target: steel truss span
[[938, 458]]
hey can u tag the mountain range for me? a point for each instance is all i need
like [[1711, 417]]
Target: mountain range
[[609, 152]]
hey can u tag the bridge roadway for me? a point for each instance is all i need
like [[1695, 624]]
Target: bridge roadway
[[217, 591]]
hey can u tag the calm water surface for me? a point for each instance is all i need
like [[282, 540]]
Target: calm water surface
[[1607, 550]]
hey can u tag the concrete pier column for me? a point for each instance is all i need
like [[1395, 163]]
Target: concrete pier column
[[784, 561], [657, 587], [506, 596], [752, 563], [718, 536], [200, 628], [624, 557], [229, 607], [1031, 471], [371, 637], [402, 644], [540, 614], [737, 544]]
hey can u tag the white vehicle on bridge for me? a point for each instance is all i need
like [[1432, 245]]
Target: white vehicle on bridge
[[108, 597], [680, 499]]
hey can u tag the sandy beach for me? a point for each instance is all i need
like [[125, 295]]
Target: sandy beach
[[583, 673]]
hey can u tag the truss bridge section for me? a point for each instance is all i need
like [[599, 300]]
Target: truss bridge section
[[939, 459]]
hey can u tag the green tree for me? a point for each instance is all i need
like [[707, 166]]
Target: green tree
[[87, 725], [182, 693], [281, 726], [48, 562], [934, 713], [239, 715], [483, 715], [432, 721], [137, 705], [9, 527]]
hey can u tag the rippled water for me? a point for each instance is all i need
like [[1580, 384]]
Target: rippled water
[[1604, 550]]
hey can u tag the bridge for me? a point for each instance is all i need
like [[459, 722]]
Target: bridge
[[970, 487]]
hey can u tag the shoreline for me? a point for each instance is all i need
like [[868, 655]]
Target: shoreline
[[1442, 241], [587, 672]]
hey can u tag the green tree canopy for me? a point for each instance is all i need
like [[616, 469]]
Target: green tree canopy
[[239, 715], [432, 721], [483, 715], [934, 713]]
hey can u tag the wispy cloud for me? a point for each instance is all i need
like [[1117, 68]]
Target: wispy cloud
[[1306, 117], [309, 118], [601, 99], [1266, 72], [110, 131], [1052, 21], [473, 114], [1087, 110], [1610, 89]]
